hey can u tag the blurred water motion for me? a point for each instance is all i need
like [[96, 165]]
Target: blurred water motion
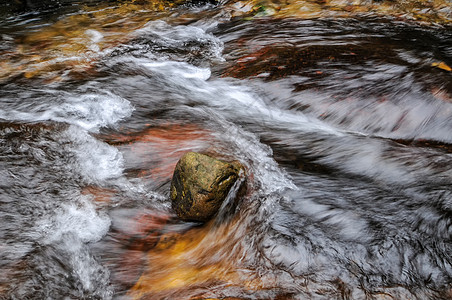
[[340, 111]]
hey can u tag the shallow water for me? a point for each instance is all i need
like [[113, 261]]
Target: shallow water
[[343, 122]]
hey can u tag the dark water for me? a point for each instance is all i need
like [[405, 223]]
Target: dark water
[[343, 124]]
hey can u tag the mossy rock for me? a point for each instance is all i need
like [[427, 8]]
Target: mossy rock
[[200, 184]]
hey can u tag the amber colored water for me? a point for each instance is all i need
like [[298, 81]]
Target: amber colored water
[[340, 111]]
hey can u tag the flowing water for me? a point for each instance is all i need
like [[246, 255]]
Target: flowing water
[[342, 118]]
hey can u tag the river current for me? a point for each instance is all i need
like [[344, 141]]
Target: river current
[[343, 122]]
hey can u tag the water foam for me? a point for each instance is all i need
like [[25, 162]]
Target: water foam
[[79, 219], [95, 37], [182, 36], [90, 111], [269, 177], [68, 231], [95, 160]]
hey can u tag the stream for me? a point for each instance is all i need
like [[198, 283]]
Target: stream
[[340, 113]]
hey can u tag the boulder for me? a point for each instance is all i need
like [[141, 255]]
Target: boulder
[[200, 184]]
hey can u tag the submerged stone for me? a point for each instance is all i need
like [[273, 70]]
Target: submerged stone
[[200, 184]]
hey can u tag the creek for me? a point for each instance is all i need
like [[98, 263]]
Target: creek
[[342, 118]]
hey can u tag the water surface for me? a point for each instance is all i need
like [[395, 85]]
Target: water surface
[[343, 121]]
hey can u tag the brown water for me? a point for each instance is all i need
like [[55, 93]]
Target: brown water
[[340, 111]]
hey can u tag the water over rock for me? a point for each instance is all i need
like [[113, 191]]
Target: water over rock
[[200, 184]]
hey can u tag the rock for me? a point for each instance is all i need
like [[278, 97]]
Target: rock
[[200, 184]]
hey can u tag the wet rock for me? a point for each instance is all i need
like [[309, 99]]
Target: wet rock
[[200, 184]]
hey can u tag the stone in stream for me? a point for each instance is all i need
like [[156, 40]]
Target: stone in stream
[[200, 184]]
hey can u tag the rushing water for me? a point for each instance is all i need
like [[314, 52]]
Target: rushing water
[[344, 124]]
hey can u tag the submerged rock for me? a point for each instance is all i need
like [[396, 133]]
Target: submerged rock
[[200, 184]]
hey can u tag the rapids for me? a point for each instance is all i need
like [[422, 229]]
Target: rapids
[[342, 118]]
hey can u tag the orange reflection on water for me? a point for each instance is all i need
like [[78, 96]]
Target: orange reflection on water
[[68, 48], [101, 196], [155, 151], [436, 11], [199, 258]]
